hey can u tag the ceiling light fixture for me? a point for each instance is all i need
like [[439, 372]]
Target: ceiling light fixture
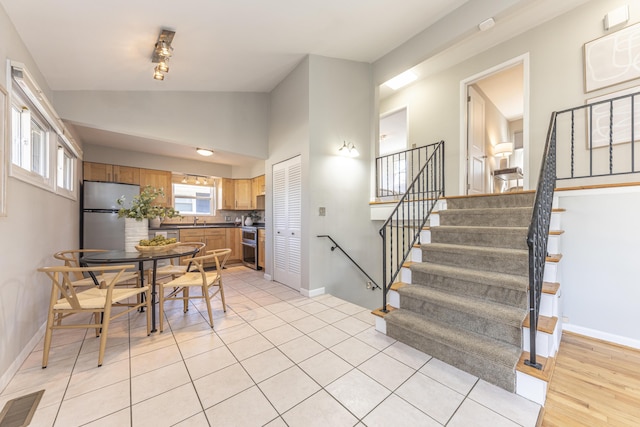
[[204, 152], [184, 180], [401, 80], [162, 51]]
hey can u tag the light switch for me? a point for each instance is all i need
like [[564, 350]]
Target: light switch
[[322, 211]]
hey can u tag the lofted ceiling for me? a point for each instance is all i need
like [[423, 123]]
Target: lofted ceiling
[[231, 46]]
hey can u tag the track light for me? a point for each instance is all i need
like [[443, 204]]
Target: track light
[[162, 51]]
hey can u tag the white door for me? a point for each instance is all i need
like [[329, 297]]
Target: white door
[[287, 222], [475, 143]]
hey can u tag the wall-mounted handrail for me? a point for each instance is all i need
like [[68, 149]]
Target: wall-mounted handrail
[[337, 246], [402, 229]]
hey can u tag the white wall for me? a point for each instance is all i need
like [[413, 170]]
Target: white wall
[[600, 277], [556, 82], [289, 137], [233, 122], [341, 99], [38, 223]]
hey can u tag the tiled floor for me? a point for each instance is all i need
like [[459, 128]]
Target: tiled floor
[[274, 358]]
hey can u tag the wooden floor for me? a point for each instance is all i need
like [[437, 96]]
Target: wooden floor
[[594, 384]]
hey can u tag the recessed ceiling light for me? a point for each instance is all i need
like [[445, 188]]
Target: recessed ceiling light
[[401, 80], [204, 152]]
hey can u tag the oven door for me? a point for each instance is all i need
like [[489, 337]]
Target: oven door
[[250, 255]]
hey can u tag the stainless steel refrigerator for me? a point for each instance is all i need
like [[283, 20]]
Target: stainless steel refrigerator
[[101, 227]]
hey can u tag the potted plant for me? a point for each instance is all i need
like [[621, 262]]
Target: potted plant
[[252, 217], [141, 210]]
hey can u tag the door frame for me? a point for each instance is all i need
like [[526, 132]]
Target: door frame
[[463, 160]]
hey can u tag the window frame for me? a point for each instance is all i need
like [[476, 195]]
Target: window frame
[[24, 93], [212, 198]]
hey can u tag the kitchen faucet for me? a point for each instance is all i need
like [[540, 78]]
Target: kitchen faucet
[[195, 221]]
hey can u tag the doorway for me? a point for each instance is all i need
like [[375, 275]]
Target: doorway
[[494, 110]]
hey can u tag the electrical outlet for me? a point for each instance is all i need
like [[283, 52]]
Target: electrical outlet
[[322, 211]]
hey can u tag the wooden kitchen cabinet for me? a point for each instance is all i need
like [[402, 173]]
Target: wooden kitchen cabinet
[[257, 190], [228, 194], [111, 173], [234, 236], [192, 235], [158, 179], [261, 245], [244, 199]]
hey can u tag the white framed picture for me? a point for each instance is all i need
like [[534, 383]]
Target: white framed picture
[[612, 59], [614, 127]]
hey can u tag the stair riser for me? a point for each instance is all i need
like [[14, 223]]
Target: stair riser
[[553, 244], [546, 344], [498, 218], [485, 369], [550, 305], [487, 327], [489, 238], [499, 262], [499, 294], [496, 201]]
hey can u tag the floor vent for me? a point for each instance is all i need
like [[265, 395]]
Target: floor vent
[[19, 411]]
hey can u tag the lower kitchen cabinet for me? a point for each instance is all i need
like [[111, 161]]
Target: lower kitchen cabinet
[[234, 236], [215, 238]]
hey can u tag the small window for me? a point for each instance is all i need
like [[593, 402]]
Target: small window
[[66, 169], [30, 147], [194, 199]]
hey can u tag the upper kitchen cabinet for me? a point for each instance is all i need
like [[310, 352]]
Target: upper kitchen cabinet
[[228, 194], [111, 173], [244, 199], [158, 179], [257, 192]]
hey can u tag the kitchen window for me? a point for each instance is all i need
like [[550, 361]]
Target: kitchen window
[[41, 153], [194, 199]]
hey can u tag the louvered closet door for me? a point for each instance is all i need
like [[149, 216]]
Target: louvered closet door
[[287, 217]]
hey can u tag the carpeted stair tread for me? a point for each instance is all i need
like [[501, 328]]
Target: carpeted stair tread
[[486, 236], [491, 200], [501, 260], [488, 285], [510, 315], [491, 319], [491, 217], [489, 359]]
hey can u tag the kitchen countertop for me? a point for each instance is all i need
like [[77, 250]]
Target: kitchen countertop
[[210, 225]]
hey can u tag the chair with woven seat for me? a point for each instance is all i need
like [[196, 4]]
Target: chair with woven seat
[[71, 258], [99, 301], [174, 269], [207, 281]]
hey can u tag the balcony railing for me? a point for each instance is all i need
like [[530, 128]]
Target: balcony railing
[[402, 229], [394, 172]]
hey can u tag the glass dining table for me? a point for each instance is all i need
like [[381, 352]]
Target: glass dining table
[[122, 257]]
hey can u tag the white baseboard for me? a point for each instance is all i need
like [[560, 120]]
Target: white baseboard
[[26, 351], [267, 277], [604, 336], [312, 292]]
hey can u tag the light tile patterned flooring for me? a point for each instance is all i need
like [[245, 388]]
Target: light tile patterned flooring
[[274, 358]]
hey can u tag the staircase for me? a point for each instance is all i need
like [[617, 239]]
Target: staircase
[[465, 298]]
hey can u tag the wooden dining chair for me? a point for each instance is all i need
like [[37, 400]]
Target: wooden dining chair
[[71, 258], [210, 283], [175, 269], [103, 302]]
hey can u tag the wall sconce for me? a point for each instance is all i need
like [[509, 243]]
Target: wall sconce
[[162, 51], [348, 150], [204, 152]]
